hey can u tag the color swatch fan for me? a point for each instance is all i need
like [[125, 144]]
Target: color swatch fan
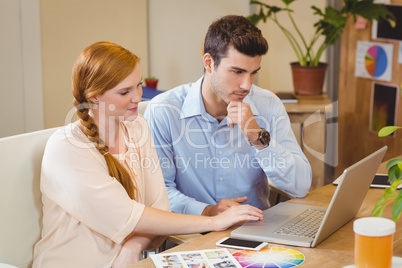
[[269, 258]]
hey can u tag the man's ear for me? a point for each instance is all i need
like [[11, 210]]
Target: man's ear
[[208, 62]]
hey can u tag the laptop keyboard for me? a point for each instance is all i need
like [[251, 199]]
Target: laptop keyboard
[[304, 225]]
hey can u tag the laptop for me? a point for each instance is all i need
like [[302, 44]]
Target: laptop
[[276, 227]]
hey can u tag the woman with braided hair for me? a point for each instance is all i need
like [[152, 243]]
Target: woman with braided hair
[[104, 198]]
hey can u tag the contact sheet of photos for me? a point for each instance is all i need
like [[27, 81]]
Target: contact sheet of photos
[[210, 258]]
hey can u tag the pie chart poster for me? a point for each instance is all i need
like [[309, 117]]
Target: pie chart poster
[[374, 60]]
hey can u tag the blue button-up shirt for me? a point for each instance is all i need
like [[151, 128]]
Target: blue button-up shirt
[[203, 160]]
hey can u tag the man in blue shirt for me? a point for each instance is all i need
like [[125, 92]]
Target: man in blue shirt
[[220, 138]]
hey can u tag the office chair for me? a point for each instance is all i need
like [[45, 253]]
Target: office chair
[[20, 196]]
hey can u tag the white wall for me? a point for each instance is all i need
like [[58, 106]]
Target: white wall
[[21, 102], [176, 32], [68, 26]]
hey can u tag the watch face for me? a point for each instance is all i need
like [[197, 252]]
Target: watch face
[[264, 137]]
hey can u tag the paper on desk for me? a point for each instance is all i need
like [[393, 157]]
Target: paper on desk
[[198, 258]]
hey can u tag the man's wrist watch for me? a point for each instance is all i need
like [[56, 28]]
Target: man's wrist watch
[[263, 137]]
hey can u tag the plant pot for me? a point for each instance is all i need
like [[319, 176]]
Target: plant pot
[[151, 83], [308, 80]]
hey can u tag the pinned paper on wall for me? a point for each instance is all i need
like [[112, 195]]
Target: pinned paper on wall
[[384, 106], [361, 23], [374, 60], [384, 30], [400, 53]]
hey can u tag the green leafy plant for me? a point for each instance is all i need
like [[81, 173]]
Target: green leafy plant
[[330, 24], [150, 78], [391, 194]]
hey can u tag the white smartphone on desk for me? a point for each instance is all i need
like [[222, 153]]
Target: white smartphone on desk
[[379, 181], [241, 244]]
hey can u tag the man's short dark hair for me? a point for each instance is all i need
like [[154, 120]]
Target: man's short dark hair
[[237, 31]]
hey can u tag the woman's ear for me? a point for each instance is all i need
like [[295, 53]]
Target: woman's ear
[[94, 100], [93, 103], [208, 62]]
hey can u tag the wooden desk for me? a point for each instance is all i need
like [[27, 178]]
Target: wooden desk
[[335, 251], [310, 113]]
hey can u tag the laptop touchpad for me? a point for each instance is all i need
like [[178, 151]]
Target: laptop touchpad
[[277, 218]]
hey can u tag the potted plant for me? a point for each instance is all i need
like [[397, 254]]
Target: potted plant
[[391, 194], [151, 81], [330, 24]]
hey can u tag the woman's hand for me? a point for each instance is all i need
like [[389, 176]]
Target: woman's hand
[[129, 254], [234, 215], [223, 205], [132, 249], [175, 223]]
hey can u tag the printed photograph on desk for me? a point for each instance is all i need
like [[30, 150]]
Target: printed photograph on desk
[[210, 258]]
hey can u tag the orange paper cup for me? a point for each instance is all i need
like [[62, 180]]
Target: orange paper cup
[[374, 238]]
